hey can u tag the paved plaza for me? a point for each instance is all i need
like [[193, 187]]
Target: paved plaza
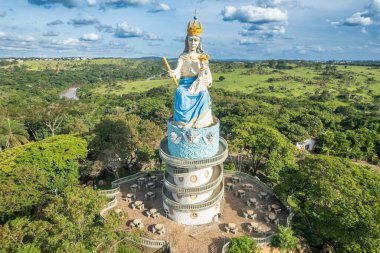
[[247, 210]]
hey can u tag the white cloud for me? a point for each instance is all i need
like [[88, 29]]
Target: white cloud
[[363, 30], [119, 45], [249, 41], [253, 14], [50, 3], [90, 37], [151, 36], [261, 22], [374, 7], [124, 30], [55, 22], [91, 2], [16, 42], [105, 28], [305, 49], [18, 38], [12, 48], [361, 18], [66, 42], [116, 4], [273, 3], [358, 19], [160, 7], [263, 30], [81, 21], [50, 33]]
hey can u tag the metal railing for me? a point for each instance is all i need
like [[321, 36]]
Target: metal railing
[[109, 206], [198, 189], [178, 172], [109, 193], [193, 207], [259, 241], [154, 244], [226, 247], [157, 244], [256, 180], [196, 162], [119, 181], [264, 241]]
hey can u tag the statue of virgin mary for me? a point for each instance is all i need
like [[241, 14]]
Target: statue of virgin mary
[[192, 102]]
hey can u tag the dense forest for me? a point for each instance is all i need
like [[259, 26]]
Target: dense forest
[[52, 147]]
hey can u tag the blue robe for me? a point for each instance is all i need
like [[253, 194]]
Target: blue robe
[[190, 108]]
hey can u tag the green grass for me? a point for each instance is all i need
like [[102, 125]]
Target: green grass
[[64, 64], [297, 82], [125, 87]]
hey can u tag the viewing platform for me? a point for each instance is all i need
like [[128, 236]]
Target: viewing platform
[[256, 213]]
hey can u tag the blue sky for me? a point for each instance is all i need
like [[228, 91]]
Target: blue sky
[[259, 29]]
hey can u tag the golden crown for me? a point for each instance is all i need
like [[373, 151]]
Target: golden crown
[[194, 29]]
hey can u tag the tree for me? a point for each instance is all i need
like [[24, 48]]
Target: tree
[[285, 239], [69, 223], [30, 173], [22, 190], [336, 201], [311, 123], [91, 169], [12, 133], [267, 148], [125, 140], [294, 132], [242, 244], [53, 116], [47, 120], [153, 109]]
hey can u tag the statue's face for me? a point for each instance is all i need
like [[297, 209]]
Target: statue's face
[[193, 43]]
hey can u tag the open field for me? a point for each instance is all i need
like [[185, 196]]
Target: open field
[[299, 82]]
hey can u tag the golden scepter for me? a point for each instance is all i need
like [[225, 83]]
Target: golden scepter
[[169, 69]]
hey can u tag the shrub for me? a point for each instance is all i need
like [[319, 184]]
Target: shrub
[[285, 239], [242, 244]]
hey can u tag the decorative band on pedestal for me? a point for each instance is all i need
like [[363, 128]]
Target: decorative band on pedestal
[[184, 163], [193, 142]]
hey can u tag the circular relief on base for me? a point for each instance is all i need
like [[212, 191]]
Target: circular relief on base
[[207, 173], [193, 178], [193, 215], [193, 196], [179, 196], [180, 179]]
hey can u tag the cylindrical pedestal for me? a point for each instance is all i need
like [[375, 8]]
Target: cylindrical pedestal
[[193, 183]]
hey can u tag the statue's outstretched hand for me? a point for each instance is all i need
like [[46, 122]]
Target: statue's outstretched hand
[[173, 74]]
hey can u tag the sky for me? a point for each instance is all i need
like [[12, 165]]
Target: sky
[[232, 29]]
